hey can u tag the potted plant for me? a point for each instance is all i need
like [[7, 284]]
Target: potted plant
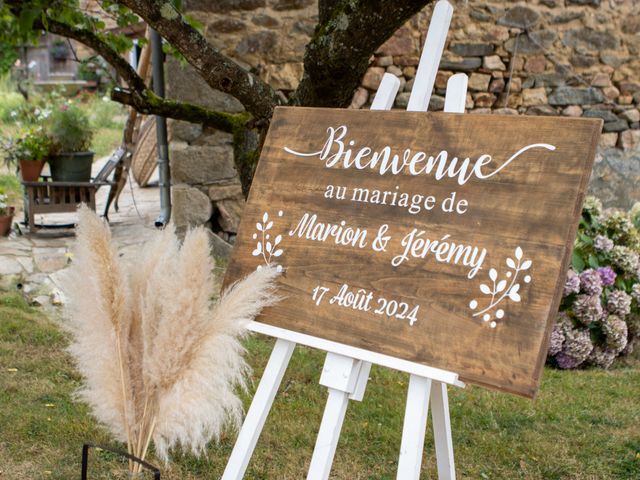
[[6, 215], [70, 134], [59, 50], [28, 150]]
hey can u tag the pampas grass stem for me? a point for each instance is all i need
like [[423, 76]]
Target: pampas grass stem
[[125, 415], [146, 338]]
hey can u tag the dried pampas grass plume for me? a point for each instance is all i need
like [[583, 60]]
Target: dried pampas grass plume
[[160, 361]]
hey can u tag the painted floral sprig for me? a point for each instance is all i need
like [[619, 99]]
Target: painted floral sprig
[[267, 247], [499, 290]]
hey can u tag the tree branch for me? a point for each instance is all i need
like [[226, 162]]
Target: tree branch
[[216, 69], [149, 103], [138, 96], [246, 152], [338, 55], [325, 9], [91, 40]]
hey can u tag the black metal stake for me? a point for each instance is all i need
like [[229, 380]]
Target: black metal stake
[[85, 460]]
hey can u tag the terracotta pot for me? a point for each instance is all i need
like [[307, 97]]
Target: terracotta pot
[[31, 169], [5, 222]]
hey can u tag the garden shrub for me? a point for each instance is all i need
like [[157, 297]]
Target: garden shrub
[[8, 56], [599, 318], [69, 129], [10, 100], [104, 113]]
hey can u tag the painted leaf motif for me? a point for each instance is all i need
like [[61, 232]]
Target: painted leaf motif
[[515, 288], [256, 251], [277, 240], [277, 253], [259, 226], [484, 288], [268, 248], [501, 286], [269, 225], [515, 296], [518, 253], [511, 263], [265, 217], [493, 274], [526, 265]]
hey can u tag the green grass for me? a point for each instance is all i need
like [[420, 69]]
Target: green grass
[[105, 141], [107, 118], [583, 425]]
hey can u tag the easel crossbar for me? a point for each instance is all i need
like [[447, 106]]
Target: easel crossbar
[[413, 368]]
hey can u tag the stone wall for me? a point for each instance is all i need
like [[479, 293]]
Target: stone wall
[[266, 36], [542, 57], [547, 57]]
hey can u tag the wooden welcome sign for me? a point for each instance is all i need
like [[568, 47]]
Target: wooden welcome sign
[[439, 239]]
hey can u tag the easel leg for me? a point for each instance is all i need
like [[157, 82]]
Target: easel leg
[[260, 406], [415, 426], [328, 435], [442, 431], [340, 374]]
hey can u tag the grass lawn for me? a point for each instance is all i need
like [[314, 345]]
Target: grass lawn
[[583, 425], [106, 140]]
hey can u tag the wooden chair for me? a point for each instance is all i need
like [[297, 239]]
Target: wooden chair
[[47, 196]]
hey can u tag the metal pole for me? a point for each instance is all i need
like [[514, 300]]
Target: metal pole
[[161, 133]]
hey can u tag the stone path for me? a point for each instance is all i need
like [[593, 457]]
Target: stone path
[[31, 262]]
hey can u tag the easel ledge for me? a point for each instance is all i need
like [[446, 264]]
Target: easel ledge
[[413, 368]]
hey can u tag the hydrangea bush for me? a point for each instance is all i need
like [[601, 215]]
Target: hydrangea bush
[[599, 318]]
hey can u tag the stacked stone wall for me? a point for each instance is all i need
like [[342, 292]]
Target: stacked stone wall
[[543, 57]]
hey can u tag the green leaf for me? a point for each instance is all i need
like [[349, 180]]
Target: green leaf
[[45, 20], [586, 239], [194, 23], [27, 17], [593, 262], [577, 262]]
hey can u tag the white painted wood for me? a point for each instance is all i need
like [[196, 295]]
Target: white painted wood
[[386, 94], [340, 375], [340, 372], [359, 353], [328, 435], [415, 426], [259, 409], [456, 97], [361, 384], [430, 58], [442, 431]]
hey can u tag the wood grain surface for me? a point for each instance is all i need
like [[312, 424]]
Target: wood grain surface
[[486, 277]]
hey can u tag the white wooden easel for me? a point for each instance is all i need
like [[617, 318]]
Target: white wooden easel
[[346, 369]]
